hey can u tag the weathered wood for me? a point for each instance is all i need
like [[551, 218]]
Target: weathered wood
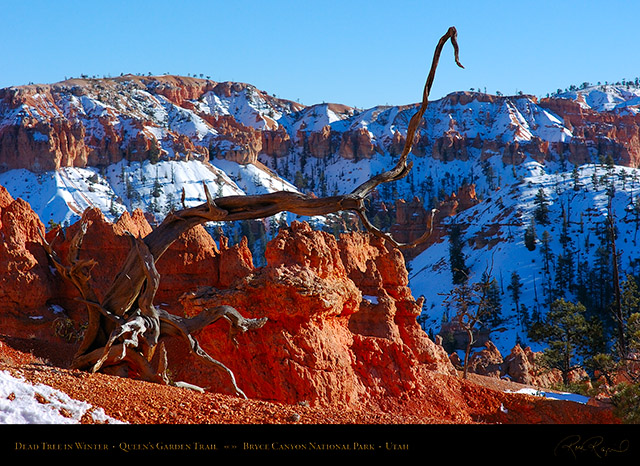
[[125, 328]]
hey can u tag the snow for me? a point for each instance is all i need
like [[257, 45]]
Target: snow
[[61, 196], [94, 107], [22, 402], [605, 98], [248, 106], [184, 121], [505, 215], [252, 179], [564, 396], [316, 117]]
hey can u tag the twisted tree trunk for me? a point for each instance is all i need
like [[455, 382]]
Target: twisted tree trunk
[[125, 330]]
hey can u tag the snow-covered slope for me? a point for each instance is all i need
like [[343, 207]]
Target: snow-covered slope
[[494, 233], [61, 196], [621, 97]]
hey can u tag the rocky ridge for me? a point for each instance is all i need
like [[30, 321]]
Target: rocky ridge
[[116, 143], [98, 122]]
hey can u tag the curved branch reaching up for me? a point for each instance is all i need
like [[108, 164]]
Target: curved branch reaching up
[[402, 168], [233, 208]]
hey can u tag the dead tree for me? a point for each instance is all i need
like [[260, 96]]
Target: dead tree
[[125, 330]]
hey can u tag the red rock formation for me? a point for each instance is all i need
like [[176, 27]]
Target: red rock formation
[[465, 98], [42, 146], [489, 148], [178, 89], [356, 144], [451, 146], [312, 288], [456, 203], [192, 261], [241, 143], [185, 148], [50, 132], [610, 133], [26, 282], [421, 145], [45, 137], [47, 129], [521, 366], [342, 323], [319, 144], [276, 143], [396, 145], [487, 362], [515, 153], [20, 254], [412, 219]]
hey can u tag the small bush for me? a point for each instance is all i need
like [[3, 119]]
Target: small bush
[[626, 401]]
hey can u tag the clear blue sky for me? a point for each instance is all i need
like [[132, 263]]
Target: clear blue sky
[[359, 53]]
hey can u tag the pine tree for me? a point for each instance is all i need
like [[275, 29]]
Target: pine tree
[[630, 312], [541, 211], [565, 260], [112, 206], [636, 217], [154, 151], [616, 306], [466, 300], [602, 276], [566, 332], [157, 187], [300, 181], [490, 305], [523, 316], [630, 298], [515, 287], [626, 402], [609, 162], [459, 270], [633, 332], [530, 236], [487, 170], [547, 254], [575, 175]]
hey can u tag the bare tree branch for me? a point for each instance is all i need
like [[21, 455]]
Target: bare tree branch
[[125, 328]]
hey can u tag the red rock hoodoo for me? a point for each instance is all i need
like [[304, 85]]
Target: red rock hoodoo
[[26, 283], [342, 323]]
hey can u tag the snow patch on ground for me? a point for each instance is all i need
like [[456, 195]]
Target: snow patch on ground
[[563, 396], [24, 403]]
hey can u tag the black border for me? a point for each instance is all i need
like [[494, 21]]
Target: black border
[[501, 442]]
